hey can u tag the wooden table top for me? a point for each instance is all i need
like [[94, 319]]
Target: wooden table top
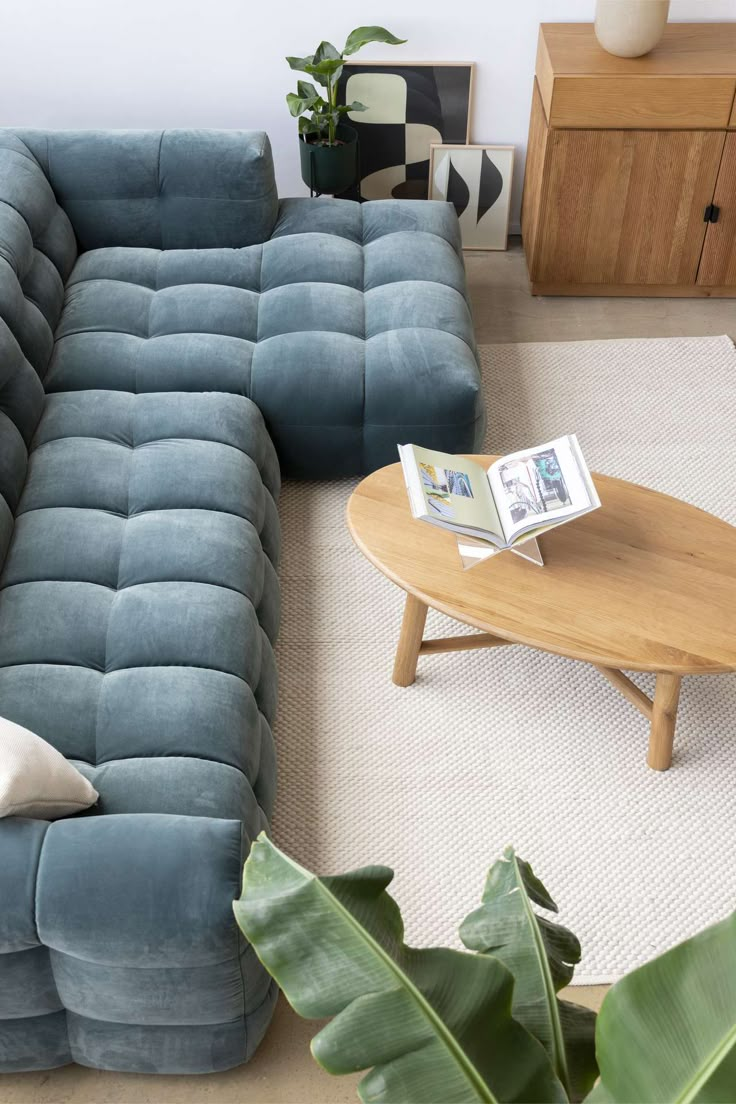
[[645, 583]]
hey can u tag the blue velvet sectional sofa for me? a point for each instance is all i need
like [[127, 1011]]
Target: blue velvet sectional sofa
[[171, 333]]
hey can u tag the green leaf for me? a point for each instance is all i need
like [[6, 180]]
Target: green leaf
[[354, 106], [434, 1024], [329, 67], [541, 956], [361, 36], [307, 91], [326, 51], [300, 63], [667, 1031], [317, 124], [325, 64], [296, 104], [307, 98]]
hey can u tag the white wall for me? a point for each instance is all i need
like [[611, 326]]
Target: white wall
[[220, 63]]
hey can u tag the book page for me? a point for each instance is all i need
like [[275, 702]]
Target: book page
[[456, 491], [540, 487]]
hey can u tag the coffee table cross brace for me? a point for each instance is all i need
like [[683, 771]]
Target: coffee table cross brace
[[660, 712]]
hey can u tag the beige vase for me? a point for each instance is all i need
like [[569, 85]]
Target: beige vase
[[630, 28]]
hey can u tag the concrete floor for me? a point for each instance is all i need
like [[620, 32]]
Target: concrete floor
[[283, 1070], [504, 311]]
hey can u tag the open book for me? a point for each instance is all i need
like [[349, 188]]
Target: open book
[[519, 497]]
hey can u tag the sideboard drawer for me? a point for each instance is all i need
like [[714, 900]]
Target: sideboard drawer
[[666, 103]]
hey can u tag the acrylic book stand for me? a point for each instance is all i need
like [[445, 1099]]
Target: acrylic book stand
[[473, 552]]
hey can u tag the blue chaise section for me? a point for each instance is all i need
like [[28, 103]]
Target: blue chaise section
[[169, 333], [138, 608]]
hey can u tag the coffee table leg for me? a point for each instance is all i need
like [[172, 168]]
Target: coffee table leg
[[664, 717], [410, 639]]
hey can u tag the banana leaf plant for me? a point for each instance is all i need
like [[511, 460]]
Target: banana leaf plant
[[325, 65], [542, 957], [439, 1025]]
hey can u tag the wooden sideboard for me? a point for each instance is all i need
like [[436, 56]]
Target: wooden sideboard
[[630, 185]]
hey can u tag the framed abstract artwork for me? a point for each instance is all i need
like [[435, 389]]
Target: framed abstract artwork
[[410, 106], [477, 181]]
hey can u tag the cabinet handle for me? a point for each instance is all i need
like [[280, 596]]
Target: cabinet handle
[[711, 213]]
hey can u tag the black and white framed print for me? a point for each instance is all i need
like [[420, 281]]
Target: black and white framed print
[[477, 181], [409, 106]]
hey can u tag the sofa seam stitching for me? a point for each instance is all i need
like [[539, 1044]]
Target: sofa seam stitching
[[36, 894], [132, 586], [130, 966], [63, 1007], [240, 939], [179, 195], [158, 193]]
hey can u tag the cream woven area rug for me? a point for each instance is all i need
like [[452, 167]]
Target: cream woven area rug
[[515, 746]]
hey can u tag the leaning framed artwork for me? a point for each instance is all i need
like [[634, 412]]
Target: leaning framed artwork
[[477, 181], [410, 105]]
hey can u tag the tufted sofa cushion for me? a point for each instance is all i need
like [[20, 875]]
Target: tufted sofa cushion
[[37, 253], [338, 328], [143, 564], [138, 606], [172, 189], [364, 316], [104, 916]]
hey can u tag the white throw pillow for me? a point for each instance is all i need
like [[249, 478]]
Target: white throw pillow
[[36, 780]]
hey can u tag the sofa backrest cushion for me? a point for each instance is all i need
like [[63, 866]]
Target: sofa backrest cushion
[[171, 189], [37, 253]]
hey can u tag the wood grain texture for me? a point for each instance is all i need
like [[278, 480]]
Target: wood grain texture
[[685, 48], [640, 291], [664, 719], [535, 172], [645, 583], [624, 207], [623, 157], [629, 689], [687, 82], [718, 263], [681, 103], [461, 643], [410, 640]]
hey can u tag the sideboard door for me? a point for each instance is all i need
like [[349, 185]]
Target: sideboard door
[[718, 264], [625, 206]]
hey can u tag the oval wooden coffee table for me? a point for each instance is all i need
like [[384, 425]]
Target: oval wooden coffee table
[[646, 583]]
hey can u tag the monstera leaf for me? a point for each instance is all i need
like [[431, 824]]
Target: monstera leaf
[[542, 957], [667, 1031], [361, 36], [429, 1024]]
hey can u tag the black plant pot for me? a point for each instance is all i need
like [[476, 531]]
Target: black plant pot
[[330, 169]]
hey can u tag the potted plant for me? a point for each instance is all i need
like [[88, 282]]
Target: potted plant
[[328, 147], [487, 1026]]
